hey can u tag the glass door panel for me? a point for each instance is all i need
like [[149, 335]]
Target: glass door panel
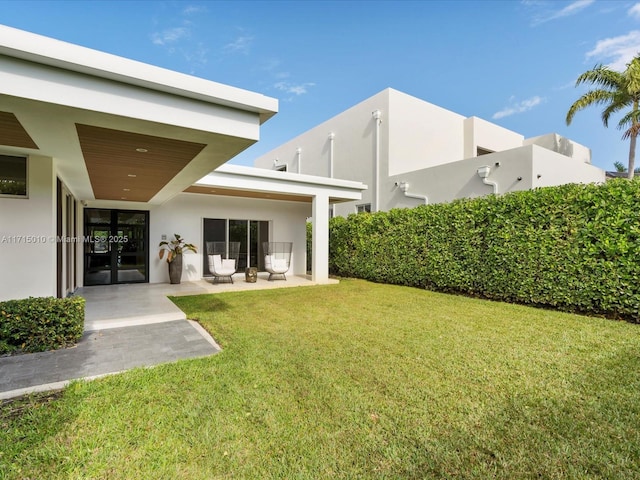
[[249, 233], [97, 255], [254, 229], [130, 244], [116, 250], [215, 230], [238, 233]]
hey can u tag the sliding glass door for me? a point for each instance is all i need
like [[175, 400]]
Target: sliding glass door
[[249, 233]]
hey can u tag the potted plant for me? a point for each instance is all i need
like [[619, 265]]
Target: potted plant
[[174, 250]]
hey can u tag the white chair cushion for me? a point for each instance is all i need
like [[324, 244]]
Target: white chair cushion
[[215, 263], [228, 264], [279, 265]]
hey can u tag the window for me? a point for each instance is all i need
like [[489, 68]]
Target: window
[[483, 151], [13, 176], [281, 168], [363, 208]]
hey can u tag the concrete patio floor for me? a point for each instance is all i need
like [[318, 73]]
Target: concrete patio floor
[[126, 326], [112, 306]]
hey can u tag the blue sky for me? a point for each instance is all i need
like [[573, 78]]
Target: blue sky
[[510, 62]]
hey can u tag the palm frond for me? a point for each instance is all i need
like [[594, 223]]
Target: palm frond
[[603, 77], [632, 131], [593, 97], [631, 118], [632, 74]]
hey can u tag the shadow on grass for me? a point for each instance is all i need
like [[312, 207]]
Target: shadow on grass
[[197, 304], [29, 422]]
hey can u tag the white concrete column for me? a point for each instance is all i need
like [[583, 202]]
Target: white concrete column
[[320, 238]]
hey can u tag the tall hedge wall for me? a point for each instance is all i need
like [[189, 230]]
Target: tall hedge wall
[[574, 247]]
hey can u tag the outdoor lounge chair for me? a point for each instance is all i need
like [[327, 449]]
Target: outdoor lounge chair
[[222, 268], [277, 258], [222, 259], [275, 266]]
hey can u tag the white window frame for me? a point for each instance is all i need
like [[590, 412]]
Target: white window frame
[[363, 208]]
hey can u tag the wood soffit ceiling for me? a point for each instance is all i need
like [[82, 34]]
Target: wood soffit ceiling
[[131, 166], [247, 194], [13, 134]]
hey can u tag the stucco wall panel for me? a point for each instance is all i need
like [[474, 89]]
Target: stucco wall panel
[[27, 236], [184, 215], [562, 145], [551, 168], [489, 136], [354, 146], [421, 134], [445, 183]]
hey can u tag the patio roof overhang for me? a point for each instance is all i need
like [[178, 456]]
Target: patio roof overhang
[[238, 181], [119, 129]]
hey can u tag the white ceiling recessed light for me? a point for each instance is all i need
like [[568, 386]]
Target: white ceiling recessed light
[[131, 175], [126, 189], [142, 150]]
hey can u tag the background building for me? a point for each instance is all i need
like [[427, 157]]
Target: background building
[[411, 152]]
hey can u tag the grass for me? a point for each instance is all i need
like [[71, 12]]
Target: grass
[[356, 380]]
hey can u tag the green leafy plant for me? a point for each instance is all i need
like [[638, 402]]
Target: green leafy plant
[[574, 248], [175, 247], [36, 324]]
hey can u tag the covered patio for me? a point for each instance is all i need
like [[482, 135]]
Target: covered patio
[[118, 156], [115, 306]]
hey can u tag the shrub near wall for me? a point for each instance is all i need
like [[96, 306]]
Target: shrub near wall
[[573, 247], [39, 324]]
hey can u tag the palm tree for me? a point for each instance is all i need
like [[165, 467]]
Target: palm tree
[[622, 168], [616, 91]]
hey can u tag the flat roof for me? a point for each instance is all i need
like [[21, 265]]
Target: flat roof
[[56, 53]]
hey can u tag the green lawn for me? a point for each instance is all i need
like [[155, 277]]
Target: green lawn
[[356, 380]]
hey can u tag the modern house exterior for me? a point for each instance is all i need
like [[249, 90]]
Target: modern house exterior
[[102, 157], [412, 152]]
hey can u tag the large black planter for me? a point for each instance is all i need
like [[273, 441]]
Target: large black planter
[[175, 269]]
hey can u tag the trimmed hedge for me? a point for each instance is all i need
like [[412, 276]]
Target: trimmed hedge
[[573, 247], [39, 324]]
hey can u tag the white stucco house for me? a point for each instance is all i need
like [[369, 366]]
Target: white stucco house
[[410, 152], [95, 148]]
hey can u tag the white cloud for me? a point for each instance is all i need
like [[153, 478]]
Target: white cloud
[[634, 11], [193, 9], [170, 35], [294, 89], [572, 9], [242, 44], [616, 52], [520, 107]]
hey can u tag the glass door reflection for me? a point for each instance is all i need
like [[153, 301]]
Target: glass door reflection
[[116, 246]]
